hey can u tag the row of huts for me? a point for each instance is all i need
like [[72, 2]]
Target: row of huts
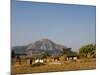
[[36, 56]]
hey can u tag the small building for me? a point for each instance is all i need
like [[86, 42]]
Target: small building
[[35, 55], [72, 57], [69, 57]]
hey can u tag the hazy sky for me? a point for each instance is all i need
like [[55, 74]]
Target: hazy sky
[[66, 24]]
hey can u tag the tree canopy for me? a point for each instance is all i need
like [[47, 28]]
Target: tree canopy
[[69, 52], [88, 51]]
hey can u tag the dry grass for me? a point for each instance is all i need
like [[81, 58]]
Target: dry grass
[[83, 64]]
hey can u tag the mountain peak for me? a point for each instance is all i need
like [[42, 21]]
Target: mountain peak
[[45, 44], [45, 40]]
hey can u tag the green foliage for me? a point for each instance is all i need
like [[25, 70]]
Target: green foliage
[[66, 51], [88, 51], [69, 52]]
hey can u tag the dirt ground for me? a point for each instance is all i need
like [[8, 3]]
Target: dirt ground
[[82, 64]]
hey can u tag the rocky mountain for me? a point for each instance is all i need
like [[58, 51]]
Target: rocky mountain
[[44, 45]]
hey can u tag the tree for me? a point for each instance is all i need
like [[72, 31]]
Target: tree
[[93, 52], [69, 52], [88, 51], [66, 51], [13, 55]]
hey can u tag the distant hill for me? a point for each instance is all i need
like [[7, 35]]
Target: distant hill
[[44, 45], [19, 49]]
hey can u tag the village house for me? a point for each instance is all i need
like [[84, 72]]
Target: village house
[[34, 56]]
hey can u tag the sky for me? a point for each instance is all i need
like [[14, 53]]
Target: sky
[[66, 24]]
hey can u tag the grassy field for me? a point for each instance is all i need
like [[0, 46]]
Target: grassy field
[[82, 64]]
